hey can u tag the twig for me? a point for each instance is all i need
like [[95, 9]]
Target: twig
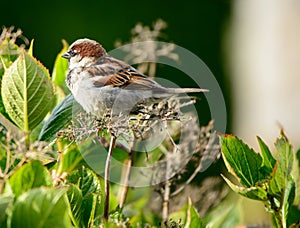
[[107, 175], [126, 177], [197, 170], [166, 196], [165, 209]]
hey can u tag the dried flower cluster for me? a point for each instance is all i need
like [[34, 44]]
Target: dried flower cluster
[[131, 127], [144, 48]]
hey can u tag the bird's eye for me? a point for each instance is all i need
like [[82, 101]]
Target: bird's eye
[[72, 53]]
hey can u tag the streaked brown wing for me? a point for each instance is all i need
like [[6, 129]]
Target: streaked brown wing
[[119, 74]]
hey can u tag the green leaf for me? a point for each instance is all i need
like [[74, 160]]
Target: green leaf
[[192, 218], [293, 216], [285, 159], [241, 161], [75, 202], [90, 188], [26, 92], [30, 50], [60, 116], [288, 198], [269, 161], [71, 159], [41, 208], [256, 193], [180, 215], [5, 201], [9, 52], [60, 69], [296, 176], [227, 214], [86, 180], [31, 175]]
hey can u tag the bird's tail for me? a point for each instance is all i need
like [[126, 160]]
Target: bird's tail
[[187, 90]]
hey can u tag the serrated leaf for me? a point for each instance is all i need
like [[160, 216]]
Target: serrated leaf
[[60, 68], [31, 175], [75, 202], [41, 207], [241, 161], [269, 162], [285, 159], [256, 193], [86, 180], [89, 185], [60, 116], [192, 217], [26, 92], [288, 198], [9, 52]]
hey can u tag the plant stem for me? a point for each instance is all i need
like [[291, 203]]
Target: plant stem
[[126, 177], [166, 198], [107, 175]]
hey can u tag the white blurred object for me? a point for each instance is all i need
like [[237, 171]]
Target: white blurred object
[[265, 69]]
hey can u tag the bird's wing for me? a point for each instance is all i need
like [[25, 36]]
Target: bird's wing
[[117, 73]]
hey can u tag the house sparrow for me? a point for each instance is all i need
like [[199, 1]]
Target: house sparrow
[[99, 82]]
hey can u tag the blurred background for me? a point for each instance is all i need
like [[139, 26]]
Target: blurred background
[[252, 47]]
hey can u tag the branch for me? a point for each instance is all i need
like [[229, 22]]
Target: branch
[[107, 175]]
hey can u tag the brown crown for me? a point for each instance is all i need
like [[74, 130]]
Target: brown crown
[[89, 48]]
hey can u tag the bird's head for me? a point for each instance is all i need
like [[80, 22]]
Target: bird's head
[[83, 53]]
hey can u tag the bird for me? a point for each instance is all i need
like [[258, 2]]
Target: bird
[[100, 82]]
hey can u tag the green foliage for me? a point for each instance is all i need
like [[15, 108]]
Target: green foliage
[[46, 179], [60, 116], [29, 176], [41, 207], [186, 217], [84, 196], [10, 53], [262, 177], [25, 90]]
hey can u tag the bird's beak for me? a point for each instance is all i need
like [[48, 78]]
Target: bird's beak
[[66, 55]]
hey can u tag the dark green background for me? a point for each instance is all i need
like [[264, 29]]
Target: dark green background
[[195, 25]]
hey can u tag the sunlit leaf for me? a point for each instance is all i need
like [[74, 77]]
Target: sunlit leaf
[[192, 218], [30, 50], [31, 175], [60, 68], [75, 200], [71, 159], [285, 159], [227, 214], [255, 192], [241, 161], [180, 215], [5, 201], [26, 92], [9, 52], [41, 207], [269, 161], [288, 198], [89, 186]]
